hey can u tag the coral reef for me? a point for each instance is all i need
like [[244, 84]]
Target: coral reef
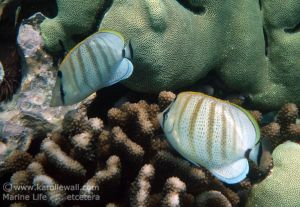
[[212, 199], [281, 187], [125, 162], [284, 128], [254, 50]]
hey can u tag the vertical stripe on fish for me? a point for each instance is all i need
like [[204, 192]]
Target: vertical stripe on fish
[[95, 65], [224, 138], [192, 135], [83, 62], [210, 129]]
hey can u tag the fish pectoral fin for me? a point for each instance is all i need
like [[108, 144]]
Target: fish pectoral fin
[[121, 72], [233, 172]]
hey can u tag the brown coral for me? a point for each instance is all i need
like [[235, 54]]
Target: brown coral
[[284, 128], [165, 98], [212, 199], [125, 163], [16, 161]]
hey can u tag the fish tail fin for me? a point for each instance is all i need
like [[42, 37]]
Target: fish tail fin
[[128, 51]]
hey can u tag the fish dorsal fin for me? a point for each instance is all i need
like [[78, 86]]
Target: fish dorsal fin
[[128, 51], [232, 173], [121, 72]]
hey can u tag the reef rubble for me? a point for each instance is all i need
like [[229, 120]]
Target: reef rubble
[[28, 112]]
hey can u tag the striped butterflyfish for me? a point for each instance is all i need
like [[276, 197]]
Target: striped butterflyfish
[[100, 60], [212, 133]]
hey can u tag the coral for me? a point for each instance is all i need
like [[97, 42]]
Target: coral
[[257, 116], [108, 179], [124, 162], [127, 149], [55, 197], [141, 187], [165, 98], [173, 190], [27, 114], [285, 126], [142, 113], [255, 49], [281, 187], [17, 160], [61, 161], [74, 19], [212, 199]]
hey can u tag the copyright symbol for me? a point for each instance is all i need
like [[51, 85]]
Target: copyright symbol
[[7, 187]]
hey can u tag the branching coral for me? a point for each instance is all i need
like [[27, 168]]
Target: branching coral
[[285, 126], [126, 162], [212, 199], [16, 161]]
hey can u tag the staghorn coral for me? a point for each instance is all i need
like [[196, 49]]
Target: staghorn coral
[[141, 187], [165, 98], [142, 113], [108, 179], [255, 49], [212, 199], [61, 161], [17, 160], [285, 126], [117, 165], [281, 187], [173, 190]]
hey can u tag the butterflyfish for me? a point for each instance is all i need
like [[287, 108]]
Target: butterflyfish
[[100, 60], [212, 133]]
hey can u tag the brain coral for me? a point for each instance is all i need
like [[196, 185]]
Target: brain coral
[[252, 45], [282, 187]]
